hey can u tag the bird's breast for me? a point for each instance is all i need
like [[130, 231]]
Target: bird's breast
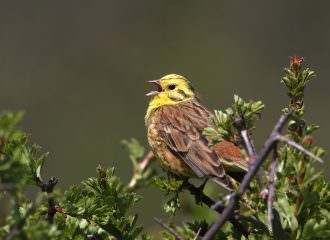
[[169, 161]]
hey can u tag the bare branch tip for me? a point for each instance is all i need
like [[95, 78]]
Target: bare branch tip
[[168, 228]]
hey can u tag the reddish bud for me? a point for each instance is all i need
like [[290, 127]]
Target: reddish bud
[[295, 63], [308, 140], [296, 60], [59, 209]]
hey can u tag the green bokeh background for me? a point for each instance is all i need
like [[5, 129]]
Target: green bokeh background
[[79, 70]]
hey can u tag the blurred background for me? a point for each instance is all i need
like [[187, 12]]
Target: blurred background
[[79, 70]]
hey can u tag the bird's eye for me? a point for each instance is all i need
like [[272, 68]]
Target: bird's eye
[[171, 87]]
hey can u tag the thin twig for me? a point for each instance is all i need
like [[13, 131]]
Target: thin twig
[[221, 203], [252, 155], [255, 166], [197, 234], [248, 143], [142, 166], [169, 229], [146, 160], [17, 228], [271, 187], [299, 147]]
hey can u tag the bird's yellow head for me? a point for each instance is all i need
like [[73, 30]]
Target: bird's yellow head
[[171, 89]]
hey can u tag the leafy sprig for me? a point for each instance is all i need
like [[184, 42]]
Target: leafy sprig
[[228, 122]]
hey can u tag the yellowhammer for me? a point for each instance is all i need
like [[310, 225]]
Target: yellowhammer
[[175, 121]]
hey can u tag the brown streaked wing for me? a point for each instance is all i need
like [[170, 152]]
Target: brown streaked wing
[[183, 125]]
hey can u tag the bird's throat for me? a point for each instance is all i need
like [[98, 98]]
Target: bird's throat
[[161, 100]]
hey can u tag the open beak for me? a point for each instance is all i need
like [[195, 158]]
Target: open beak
[[159, 88]]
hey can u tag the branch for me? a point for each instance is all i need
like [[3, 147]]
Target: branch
[[252, 154], [51, 210], [248, 144], [226, 214], [200, 196], [197, 234], [299, 147], [261, 157], [17, 228], [142, 166], [49, 188], [254, 168], [169, 229]]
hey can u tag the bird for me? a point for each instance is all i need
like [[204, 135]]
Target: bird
[[175, 120]]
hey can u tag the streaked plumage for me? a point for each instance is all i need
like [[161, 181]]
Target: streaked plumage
[[175, 121]]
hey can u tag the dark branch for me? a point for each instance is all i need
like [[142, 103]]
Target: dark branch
[[49, 188], [200, 197], [169, 229], [51, 210], [261, 157], [254, 168], [226, 214]]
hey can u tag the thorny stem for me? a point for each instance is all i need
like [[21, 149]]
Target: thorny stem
[[261, 157], [200, 196], [169, 229], [255, 166], [271, 142], [226, 214]]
